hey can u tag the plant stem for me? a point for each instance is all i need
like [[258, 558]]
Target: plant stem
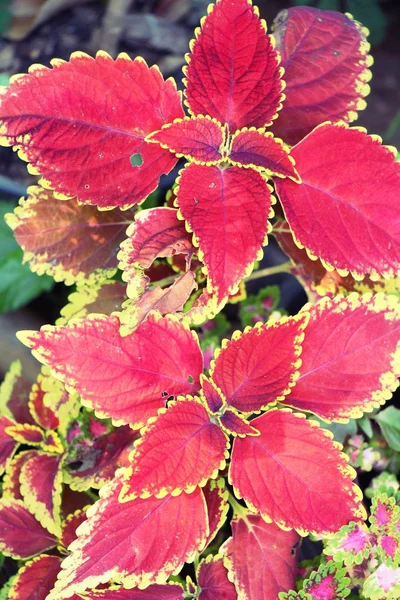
[[285, 267]]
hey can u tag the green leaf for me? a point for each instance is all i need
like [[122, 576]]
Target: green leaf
[[18, 285], [389, 422], [259, 307], [365, 425]]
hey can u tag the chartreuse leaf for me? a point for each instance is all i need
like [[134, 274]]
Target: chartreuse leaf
[[135, 543], [21, 535], [67, 241], [350, 545], [328, 582], [259, 367], [233, 73], [293, 458], [212, 578], [383, 583], [18, 285], [389, 422], [200, 139], [179, 450], [126, 378], [326, 61], [261, 558], [351, 177], [37, 576], [351, 348], [89, 117], [227, 210]]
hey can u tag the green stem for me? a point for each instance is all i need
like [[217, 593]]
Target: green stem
[[237, 508], [285, 267]]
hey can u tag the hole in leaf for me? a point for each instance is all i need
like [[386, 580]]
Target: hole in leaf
[[190, 379], [164, 394], [136, 160]]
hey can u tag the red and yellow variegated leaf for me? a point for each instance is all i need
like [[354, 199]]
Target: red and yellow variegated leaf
[[70, 525], [12, 477], [8, 444], [98, 461], [325, 57], [63, 404], [169, 591], [350, 357], [21, 535], [101, 297], [169, 300], [260, 150], [233, 72], [65, 240], [14, 395], [80, 123], [125, 378], [217, 506], [156, 233], [43, 415], [41, 487], [383, 583], [261, 558], [211, 394], [181, 449], [355, 180], [227, 209], [351, 545], [26, 434], [135, 543], [234, 424], [212, 578], [291, 459], [36, 578], [260, 366], [199, 139]]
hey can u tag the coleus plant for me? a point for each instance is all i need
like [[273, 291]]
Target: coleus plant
[[101, 132]]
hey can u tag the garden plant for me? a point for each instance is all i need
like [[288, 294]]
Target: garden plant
[[162, 453]]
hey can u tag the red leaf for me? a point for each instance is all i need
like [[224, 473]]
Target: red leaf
[[14, 395], [234, 424], [180, 450], [41, 487], [65, 240], [355, 180], [169, 591], [258, 367], [7, 443], [169, 300], [155, 233], [42, 414], [21, 535], [11, 481], [70, 525], [227, 210], [135, 543], [36, 578], [350, 357], [80, 123], [213, 581], [97, 460], [26, 433], [125, 378], [325, 56], [263, 152], [200, 139], [217, 506], [211, 394], [291, 459], [260, 557], [233, 72]]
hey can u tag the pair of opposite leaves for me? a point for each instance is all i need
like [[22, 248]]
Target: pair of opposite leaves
[[100, 112]]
